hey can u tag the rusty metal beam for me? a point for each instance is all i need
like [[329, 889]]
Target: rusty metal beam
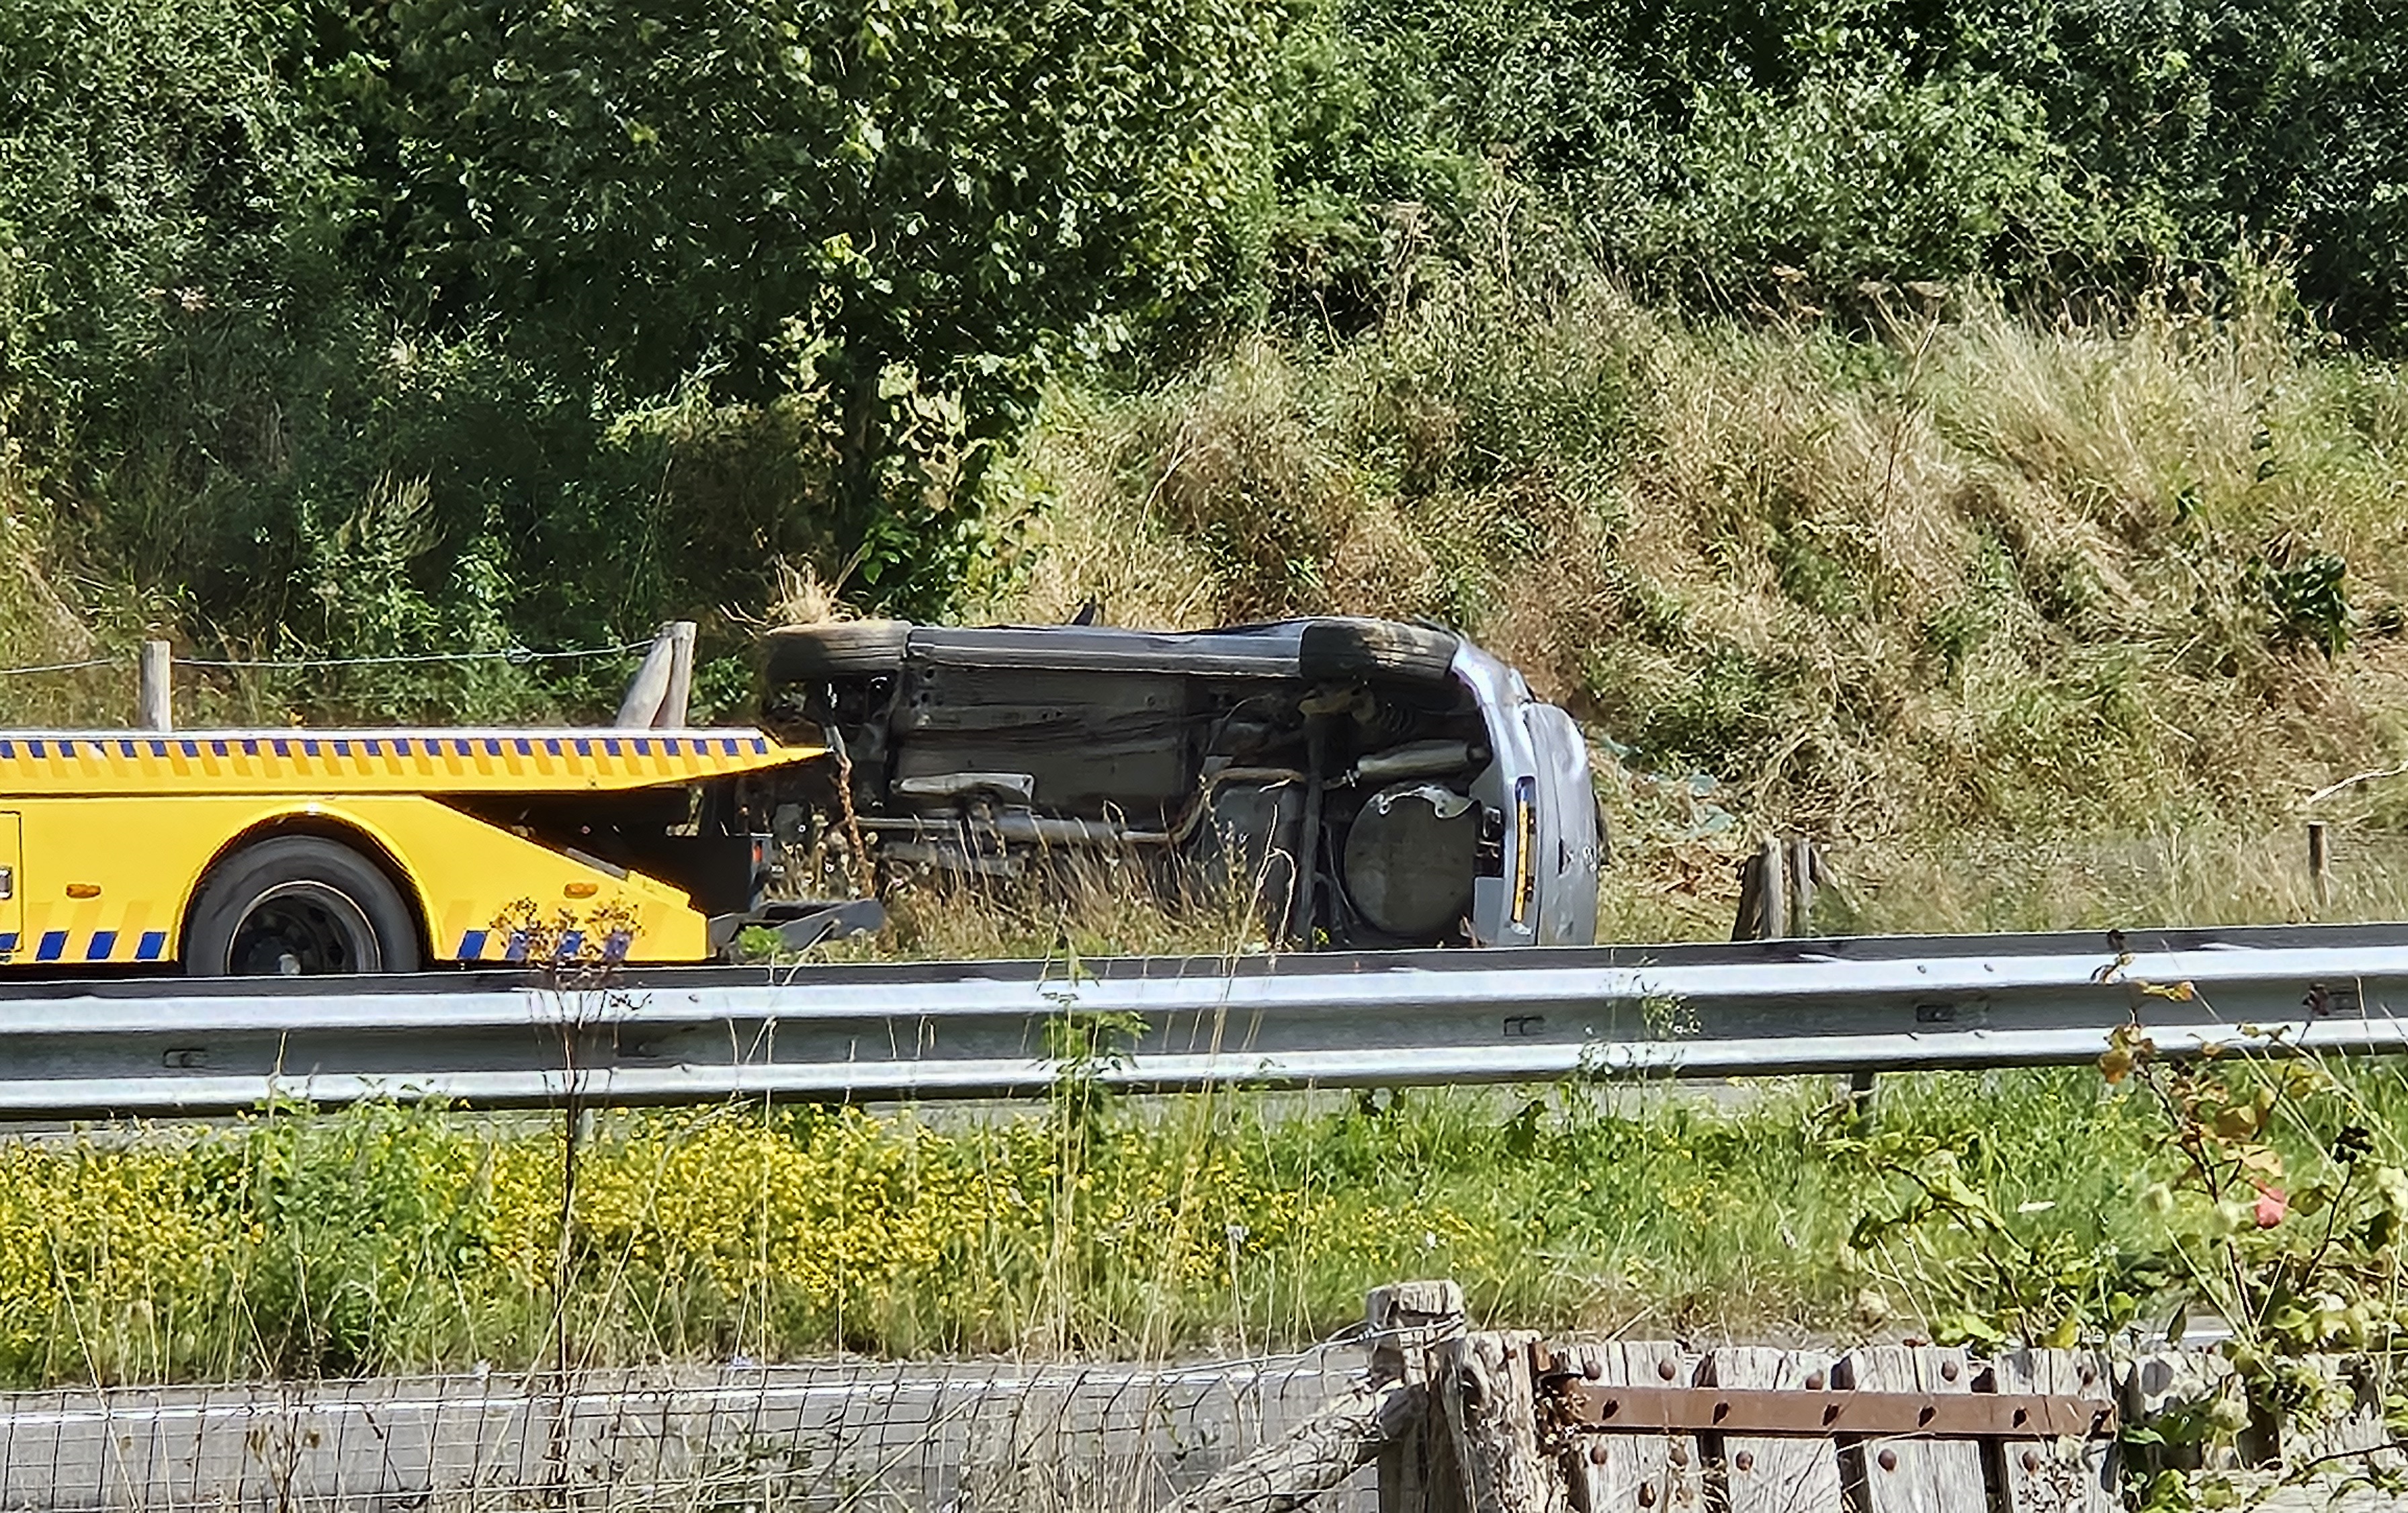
[[1592, 1406]]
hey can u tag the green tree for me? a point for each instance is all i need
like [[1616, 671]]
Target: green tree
[[902, 212]]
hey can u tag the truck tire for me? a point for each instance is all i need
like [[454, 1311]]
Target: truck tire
[[1374, 649], [843, 649], [299, 906]]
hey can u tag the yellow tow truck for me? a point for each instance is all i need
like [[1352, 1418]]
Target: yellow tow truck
[[239, 853]]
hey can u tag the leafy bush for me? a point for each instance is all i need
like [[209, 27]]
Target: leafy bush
[[2076, 151], [679, 291], [2272, 1209], [1859, 174]]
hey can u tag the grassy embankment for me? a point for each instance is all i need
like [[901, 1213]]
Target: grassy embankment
[[2038, 626], [2035, 625]]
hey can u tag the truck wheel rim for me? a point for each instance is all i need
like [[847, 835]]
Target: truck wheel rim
[[303, 929]]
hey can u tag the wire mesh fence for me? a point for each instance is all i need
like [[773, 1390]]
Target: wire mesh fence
[[879, 1437]]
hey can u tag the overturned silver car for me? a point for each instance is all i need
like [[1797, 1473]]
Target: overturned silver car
[[1373, 783]]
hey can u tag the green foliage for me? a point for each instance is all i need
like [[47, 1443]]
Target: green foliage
[[148, 164], [349, 1217], [380, 1239], [1086, 1047], [1370, 176], [330, 326], [2308, 593], [903, 212], [2274, 1205], [1861, 172], [1781, 153], [2038, 1205], [368, 328]]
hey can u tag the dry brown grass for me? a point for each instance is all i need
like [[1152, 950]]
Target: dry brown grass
[[804, 597], [1979, 577], [1102, 905]]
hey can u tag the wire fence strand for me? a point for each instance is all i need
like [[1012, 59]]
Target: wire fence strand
[[516, 656], [63, 667], [942, 1436]]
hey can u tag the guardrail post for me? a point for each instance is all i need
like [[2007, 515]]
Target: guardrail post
[[155, 706]]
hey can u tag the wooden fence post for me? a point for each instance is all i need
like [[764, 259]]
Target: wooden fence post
[[677, 700], [154, 704], [1747, 923], [2320, 864], [1418, 1474], [1776, 890], [1764, 893], [1491, 1401]]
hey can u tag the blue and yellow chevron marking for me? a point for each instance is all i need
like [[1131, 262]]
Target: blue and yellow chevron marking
[[326, 762], [89, 946], [516, 946]]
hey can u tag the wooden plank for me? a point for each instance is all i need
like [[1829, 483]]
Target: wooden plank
[[1775, 1475], [2057, 1476], [1915, 1476], [2357, 1429], [1617, 1473], [1318, 1456]]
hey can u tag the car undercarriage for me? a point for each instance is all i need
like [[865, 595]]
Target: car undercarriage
[[1362, 783]]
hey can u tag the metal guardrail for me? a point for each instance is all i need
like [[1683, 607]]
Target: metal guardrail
[[981, 1029]]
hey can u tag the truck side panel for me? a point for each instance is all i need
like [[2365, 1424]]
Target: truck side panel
[[102, 880]]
